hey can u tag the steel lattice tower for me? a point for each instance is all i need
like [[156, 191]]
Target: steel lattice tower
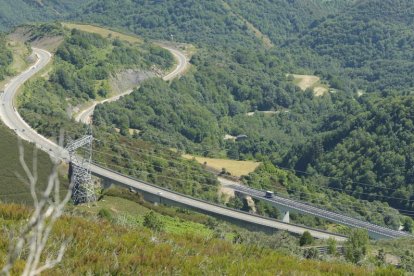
[[80, 152]]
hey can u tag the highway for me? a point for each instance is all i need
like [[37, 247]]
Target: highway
[[13, 120], [305, 208], [182, 64]]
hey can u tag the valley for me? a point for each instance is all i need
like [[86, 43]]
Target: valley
[[196, 104]]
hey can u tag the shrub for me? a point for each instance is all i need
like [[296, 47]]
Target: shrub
[[331, 246], [306, 239], [356, 247], [151, 221], [311, 253], [105, 214]]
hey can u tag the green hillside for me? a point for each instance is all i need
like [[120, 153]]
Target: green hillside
[[371, 43], [140, 250], [12, 189]]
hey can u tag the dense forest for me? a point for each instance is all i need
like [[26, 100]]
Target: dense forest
[[17, 12], [187, 118]]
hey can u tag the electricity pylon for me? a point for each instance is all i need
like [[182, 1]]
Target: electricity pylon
[[80, 152]]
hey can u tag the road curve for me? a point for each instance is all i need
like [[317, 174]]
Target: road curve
[[12, 119], [85, 115]]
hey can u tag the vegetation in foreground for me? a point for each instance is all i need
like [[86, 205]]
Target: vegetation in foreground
[[101, 245]]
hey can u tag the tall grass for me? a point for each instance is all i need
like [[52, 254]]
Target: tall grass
[[99, 247]]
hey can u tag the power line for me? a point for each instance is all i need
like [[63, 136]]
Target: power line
[[289, 169], [331, 188], [180, 179], [302, 172], [293, 170], [193, 168], [161, 176]]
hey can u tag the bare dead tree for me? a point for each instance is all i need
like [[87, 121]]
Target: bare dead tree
[[48, 207]]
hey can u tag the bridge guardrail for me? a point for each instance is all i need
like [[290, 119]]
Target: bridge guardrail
[[329, 214]]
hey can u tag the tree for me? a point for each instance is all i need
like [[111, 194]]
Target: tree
[[306, 239], [332, 246], [152, 222], [235, 202], [408, 225], [356, 247]]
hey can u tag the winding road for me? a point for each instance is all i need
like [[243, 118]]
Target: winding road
[[85, 115], [13, 120]]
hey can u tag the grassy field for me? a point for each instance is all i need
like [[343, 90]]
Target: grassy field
[[103, 32], [11, 188], [20, 54], [234, 167], [308, 81]]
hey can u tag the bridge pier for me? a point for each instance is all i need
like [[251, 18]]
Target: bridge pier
[[286, 217]]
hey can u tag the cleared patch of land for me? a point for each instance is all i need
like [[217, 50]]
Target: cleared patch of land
[[268, 112], [20, 55], [308, 81], [226, 193], [234, 167], [103, 32], [21, 58], [24, 35]]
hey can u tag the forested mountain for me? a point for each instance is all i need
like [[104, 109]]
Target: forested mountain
[[16, 12], [371, 44], [188, 21], [281, 19], [369, 152]]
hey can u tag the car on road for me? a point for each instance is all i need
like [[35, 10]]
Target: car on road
[[269, 194]]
